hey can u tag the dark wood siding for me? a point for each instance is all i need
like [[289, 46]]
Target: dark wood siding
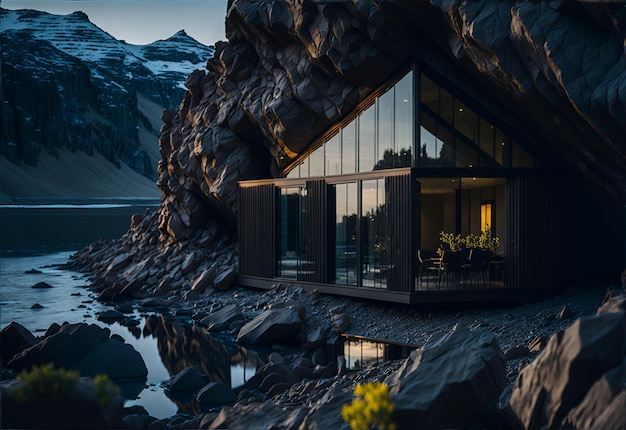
[[536, 249], [257, 233], [399, 198], [317, 231]]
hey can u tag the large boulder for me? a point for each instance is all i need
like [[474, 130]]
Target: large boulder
[[277, 325], [86, 348], [15, 338], [448, 381], [204, 280], [187, 379], [216, 393], [561, 376], [604, 405], [222, 319]]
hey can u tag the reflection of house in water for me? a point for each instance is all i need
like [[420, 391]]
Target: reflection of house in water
[[183, 346], [361, 352], [424, 154]]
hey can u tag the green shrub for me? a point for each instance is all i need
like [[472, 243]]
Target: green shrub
[[48, 383], [45, 383], [105, 389]]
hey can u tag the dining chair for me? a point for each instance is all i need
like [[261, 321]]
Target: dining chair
[[478, 267], [451, 267]]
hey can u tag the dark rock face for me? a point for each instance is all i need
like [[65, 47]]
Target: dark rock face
[[14, 339], [277, 325], [470, 369], [292, 69], [578, 367], [67, 83], [86, 348]]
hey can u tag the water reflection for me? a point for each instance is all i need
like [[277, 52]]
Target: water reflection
[[181, 346]]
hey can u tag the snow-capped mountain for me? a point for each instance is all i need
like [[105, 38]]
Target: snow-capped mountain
[[68, 83]]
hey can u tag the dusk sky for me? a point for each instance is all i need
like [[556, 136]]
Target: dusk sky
[[142, 21]]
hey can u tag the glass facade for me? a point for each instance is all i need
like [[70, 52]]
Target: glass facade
[[380, 137], [362, 221], [292, 238], [453, 135], [374, 234], [346, 222]]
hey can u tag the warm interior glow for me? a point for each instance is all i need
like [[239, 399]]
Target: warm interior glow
[[485, 216]]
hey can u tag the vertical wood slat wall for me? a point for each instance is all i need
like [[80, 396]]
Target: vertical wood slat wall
[[536, 249], [257, 230], [400, 256], [317, 230]]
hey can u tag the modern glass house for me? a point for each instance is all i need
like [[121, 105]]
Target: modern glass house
[[419, 156]]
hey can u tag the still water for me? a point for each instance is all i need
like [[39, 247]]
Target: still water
[[42, 238]]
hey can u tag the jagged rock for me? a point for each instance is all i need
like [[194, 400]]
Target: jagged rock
[[33, 272], [222, 318], [125, 308], [187, 379], [536, 345], [111, 315], [85, 348], [224, 281], [315, 338], [516, 352], [37, 306], [14, 339], [204, 280], [342, 322], [470, 369], [216, 393], [565, 313], [559, 378], [596, 409], [119, 262], [42, 285], [273, 326], [613, 304], [190, 263]]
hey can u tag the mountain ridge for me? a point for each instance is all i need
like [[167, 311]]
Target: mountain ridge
[[66, 83]]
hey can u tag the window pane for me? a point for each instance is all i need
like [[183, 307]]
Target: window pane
[[404, 120], [466, 155], [521, 158], [295, 172], [333, 155], [304, 168], [316, 162], [367, 139], [290, 239], [346, 234], [503, 149], [446, 107], [436, 149], [373, 234], [486, 143], [385, 131], [429, 94], [348, 148], [466, 122]]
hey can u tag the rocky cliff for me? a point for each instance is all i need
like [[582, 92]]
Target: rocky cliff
[[68, 84], [291, 69]]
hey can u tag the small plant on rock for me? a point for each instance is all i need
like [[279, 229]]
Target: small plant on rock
[[45, 383], [372, 409], [105, 390]]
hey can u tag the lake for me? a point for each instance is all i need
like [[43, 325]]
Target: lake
[[43, 237]]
